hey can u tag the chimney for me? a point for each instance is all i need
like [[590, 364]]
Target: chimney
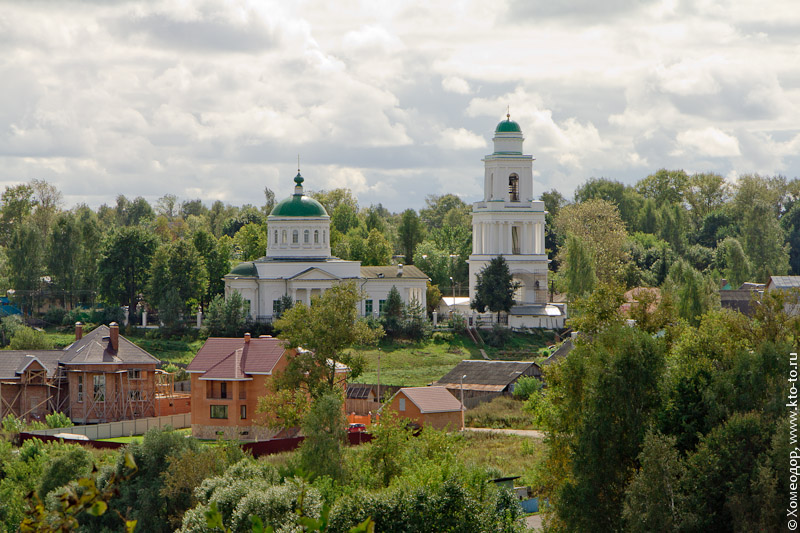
[[114, 335], [246, 338], [400, 270], [78, 331]]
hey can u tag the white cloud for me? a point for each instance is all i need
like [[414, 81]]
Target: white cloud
[[460, 139], [710, 142], [457, 85]]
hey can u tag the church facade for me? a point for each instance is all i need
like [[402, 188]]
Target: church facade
[[509, 222], [298, 263]]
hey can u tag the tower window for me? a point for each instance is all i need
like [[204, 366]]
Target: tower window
[[306, 235], [295, 237], [513, 188]]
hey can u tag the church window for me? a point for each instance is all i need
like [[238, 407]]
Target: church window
[[283, 237], [276, 236], [316, 236], [324, 236], [295, 237], [515, 240], [513, 188], [491, 186], [306, 234]]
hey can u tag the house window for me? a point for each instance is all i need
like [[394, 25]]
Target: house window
[[135, 395], [368, 307], [243, 411], [513, 188], [80, 388], [99, 387], [219, 411], [402, 404], [316, 236], [134, 373], [295, 237], [381, 305], [306, 235], [223, 390]]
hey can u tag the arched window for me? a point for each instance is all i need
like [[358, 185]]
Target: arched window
[[513, 188], [316, 236], [276, 236], [324, 236], [306, 235], [283, 237], [295, 237]]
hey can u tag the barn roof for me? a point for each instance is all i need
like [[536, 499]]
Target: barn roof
[[488, 375]]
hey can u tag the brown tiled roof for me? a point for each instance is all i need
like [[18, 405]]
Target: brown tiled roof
[[219, 356], [495, 374], [95, 348], [431, 399], [389, 272]]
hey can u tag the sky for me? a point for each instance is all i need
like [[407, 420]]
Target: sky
[[396, 100]]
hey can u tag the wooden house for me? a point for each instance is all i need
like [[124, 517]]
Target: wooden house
[[428, 406]]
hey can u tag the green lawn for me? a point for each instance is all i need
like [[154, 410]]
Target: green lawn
[[172, 351]]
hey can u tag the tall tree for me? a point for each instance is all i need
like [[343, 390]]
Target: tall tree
[[494, 287], [627, 200], [124, 264], [377, 250], [410, 232], [733, 262], [16, 205], [664, 187], [25, 260], [438, 206], [325, 329], [64, 250], [705, 194], [177, 266], [763, 241], [578, 269]]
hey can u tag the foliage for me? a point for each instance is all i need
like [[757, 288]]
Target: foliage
[[25, 338], [578, 267], [226, 316], [324, 330], [124, 264], [393, 313], [494, 287], [58, 420], [410, 232], [177, 267], [324, 426], [527, 385], [501, 412], [598, 310]]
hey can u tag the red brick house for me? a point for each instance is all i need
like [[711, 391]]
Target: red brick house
[[428, 406]]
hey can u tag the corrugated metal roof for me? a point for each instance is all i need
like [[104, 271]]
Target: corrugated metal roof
[[431, 399], [496, 373], [785, 282]]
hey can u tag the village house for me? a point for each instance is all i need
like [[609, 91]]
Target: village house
[[481, 380], [433, 407], [101, 377]]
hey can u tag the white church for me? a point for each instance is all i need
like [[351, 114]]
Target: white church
[[507, 222], [299, 264]]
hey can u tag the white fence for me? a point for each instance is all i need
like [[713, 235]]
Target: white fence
[[124, 428]]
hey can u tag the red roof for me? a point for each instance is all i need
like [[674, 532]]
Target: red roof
[[233, 358], [432, 399]]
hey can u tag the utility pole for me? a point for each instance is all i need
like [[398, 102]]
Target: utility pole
[[462, 401]]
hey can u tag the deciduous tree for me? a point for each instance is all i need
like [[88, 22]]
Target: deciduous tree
[[124, 264]]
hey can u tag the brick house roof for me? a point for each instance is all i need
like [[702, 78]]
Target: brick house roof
[[14, 362], [95, 347], [231, 358], [431, 399]]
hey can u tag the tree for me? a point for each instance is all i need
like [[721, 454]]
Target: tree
[[344, 218], [269, 201], [324, 428], [377, 250], [48, 201], [599, 226], [177, 266], [334, 198], [226, 317], [133, 213], [124, 264], [16, 205], [63, 254], [705, 194], [578, 269], [251, 241], [733, 262], [410, 233], [627, 200], [494, 287], [393, 312], [25, 259], [324, 330], [438, 206], [665, 187], [763, 240]]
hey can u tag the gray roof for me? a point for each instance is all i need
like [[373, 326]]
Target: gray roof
[[14, 362], [536, 310], [784, 282], [388, 272], [495, 374], [95, 347], [560, 353]]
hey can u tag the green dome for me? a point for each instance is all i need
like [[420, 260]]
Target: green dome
[[244, 269], [299, 205], [508, 126]]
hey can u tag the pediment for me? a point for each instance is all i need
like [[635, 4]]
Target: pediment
[[314, 273]]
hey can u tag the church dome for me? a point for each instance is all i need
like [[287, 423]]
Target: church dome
[[299, 205], [508, 126], [246, 268]]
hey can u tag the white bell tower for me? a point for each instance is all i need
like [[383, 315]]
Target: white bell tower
[[509, 222]]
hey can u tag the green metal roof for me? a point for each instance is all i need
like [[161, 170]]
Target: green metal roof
[[508, 126], [299, 205], [245, 269]]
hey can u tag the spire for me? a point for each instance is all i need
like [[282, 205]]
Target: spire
[[298, 180], [508, 113]]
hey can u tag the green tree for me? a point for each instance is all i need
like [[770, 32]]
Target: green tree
[[25, 338], [226, 317], [649, 217], [324, 427], [578, 267], [63, 255], [733, 262], [494, 287], [324, 330], [705, 194], [25, 261], [393, 313], [438, 206], [177, 266], [251, 241], [763, 241], [410, 232], [124, 264], [377, 250], [627, 200], [344, 218], [665, 187], [16, 206]]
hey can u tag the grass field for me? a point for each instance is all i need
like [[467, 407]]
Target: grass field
[[500, 413], [509, 455]]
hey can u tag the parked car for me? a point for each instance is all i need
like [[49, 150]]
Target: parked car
[[357, 428]]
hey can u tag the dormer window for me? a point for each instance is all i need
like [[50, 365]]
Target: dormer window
[[513, 188]]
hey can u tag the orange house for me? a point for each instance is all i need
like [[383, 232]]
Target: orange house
[[228, 376], [428, 406]]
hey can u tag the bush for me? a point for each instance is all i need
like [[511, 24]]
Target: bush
[[30, 339], [58, 420], [525, 386], [498, 336], [68, 466], [55, 316]]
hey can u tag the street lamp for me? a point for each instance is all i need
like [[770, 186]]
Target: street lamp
[[462, 401]]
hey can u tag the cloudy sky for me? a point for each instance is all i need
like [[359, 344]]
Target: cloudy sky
[[396, 100]]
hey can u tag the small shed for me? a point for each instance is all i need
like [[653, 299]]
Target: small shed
[[360, 399], [484, 380], [428, 406]]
